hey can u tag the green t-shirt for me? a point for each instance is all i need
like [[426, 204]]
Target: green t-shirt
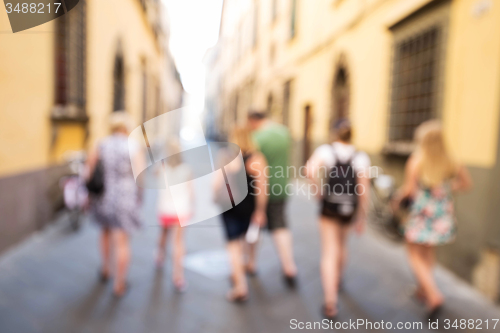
[[273, 141]]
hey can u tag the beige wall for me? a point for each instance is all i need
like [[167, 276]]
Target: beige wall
[[106, 27], [26, 96], [360, 31], [473, 78], [27, 83]]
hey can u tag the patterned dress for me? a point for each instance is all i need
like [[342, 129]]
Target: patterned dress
[[432, 217], [118, 206]]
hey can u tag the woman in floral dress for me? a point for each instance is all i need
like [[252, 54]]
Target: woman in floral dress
[[116, 210], [431, 176]]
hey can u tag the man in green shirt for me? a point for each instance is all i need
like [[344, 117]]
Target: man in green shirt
[[273, 140]]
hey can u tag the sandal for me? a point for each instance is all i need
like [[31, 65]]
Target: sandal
[[103, 277], [236, 298], [290, 281], [434, 313], [180, 286], [329, 311], [250, 271], [125, 290]]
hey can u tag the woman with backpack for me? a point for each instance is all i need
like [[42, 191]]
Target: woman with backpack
[[341, 174], [431, 176]]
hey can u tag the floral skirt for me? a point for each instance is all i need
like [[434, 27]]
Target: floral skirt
[[432, 219]]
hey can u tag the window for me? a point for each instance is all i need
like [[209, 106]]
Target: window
[[416, 74], [119, 82], [293, 19], [70, 58]]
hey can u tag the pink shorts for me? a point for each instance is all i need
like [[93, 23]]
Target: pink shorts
[[171, 220]]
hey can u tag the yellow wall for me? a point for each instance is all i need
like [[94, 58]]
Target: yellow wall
[[360, 31], [26, 96], [107, 25], [473, 84], [27, 83]]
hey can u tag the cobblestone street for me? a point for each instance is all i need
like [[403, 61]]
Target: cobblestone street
[[49, 284]]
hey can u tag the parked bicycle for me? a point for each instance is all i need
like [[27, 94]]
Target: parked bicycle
[[74, 190], [382, 214]]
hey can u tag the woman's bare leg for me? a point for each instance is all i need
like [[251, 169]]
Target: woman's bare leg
[[419, 256], [178, 253], [162, 247], [240, 287], [251, 255], [283, 241], [105, 244], [122, 256], [331, 252]]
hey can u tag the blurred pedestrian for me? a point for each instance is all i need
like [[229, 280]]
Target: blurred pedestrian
[[431, 176], [173, 215], [344, 200], [273, 140], [116, 209], [251, 210]]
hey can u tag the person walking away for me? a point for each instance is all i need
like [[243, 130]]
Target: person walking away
[[431, 176], [116, 209], [172, 216], [344, 202], [273, 140], [251, 210]]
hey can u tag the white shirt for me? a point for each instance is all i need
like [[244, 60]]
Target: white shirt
[[182, 206], [326, 155]]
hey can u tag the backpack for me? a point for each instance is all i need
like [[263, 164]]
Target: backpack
[[340, 200]]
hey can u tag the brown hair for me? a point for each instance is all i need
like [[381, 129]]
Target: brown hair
[[343, 130]]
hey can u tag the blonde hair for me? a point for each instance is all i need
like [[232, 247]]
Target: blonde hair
[[120, 121], [243, 138], [435, 163]]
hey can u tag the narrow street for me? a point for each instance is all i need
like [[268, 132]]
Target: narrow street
[[49, 284]]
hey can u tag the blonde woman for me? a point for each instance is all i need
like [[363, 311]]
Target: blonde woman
[[251, 210], [116, 209], [431, 176]]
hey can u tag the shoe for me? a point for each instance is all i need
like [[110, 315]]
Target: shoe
[[103, 277], [235, 298], [251, 272], [290, 281], [126, 289], [180, 287], [326, 314], [434, 314]]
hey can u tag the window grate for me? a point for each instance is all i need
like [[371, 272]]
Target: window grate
[[415, 82]]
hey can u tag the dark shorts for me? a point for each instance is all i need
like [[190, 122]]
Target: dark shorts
[[334, 216], [235, 227], [276, 215]]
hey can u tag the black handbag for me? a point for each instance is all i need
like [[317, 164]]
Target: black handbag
[[95, 185]]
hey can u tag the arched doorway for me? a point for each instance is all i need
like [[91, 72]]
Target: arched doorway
[[340, 96]]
